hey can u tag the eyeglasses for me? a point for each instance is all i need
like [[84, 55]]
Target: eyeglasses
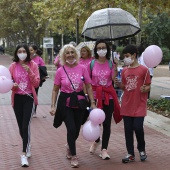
[[101, 48]]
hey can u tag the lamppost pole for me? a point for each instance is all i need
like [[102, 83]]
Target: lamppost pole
[[77, 30]]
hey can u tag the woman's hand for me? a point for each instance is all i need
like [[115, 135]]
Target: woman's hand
[[93, 106], [53, 110], [26, 67], [15, 85], [116, 81], [116, 61]]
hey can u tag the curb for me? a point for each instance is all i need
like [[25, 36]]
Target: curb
[[158, 122]]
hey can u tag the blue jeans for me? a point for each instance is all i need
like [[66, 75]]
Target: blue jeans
[[131, 125]]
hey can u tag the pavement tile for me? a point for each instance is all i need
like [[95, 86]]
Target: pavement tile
[[48, 143]]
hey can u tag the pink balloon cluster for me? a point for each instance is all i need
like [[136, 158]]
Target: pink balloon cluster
[[152, 56], [91, 129], [6, 83]]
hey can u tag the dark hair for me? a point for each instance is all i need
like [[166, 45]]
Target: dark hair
[[107, 46], [132, 49], [141, 49], [16, 59], [38, 50]]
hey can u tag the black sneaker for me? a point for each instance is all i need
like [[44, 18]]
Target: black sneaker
[[128, 158], [143, 156]]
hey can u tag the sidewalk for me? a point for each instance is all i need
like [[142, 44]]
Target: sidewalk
[[48, 151]]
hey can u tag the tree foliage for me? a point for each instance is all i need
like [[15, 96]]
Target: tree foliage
[[158, 30], [33, 19]]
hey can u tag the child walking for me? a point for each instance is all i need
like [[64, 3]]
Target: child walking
[[136, 85]]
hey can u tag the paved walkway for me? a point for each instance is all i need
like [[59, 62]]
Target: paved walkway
[[48, 151]]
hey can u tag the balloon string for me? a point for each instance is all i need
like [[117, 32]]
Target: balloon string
[[25, 92], [145, 77]]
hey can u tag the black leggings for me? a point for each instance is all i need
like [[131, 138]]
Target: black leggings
[[106, 124], [73, 120], [23, 108]]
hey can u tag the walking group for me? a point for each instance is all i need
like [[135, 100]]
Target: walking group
[[80, 78]]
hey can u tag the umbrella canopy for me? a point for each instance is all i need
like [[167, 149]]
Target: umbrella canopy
[[110, 24]]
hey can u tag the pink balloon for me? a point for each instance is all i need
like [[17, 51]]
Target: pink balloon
[[97, 116], [152, 56], [5, 84], [90, 131], [5, 72]]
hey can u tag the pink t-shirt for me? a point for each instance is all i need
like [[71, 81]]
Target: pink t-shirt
[[22, 79], [134, 102], [39, 61], [85, 62], [57, 60], [78, 76], [101, 74]]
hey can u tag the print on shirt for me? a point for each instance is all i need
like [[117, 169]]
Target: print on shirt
[[74, 79], [22, 77], [102, 77], [131, 83]]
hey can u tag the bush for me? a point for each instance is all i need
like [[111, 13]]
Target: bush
[[166, 55], [160, 106], [10, 50], [120, 49]]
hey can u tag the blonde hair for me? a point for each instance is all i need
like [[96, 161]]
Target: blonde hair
[[88, 50], [63, 53]]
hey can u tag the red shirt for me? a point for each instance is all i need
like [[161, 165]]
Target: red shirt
[[134, 102]]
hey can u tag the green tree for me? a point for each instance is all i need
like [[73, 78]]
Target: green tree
[[158, 30]]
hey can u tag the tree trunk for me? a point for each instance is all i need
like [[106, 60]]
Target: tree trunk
[[138, 40]]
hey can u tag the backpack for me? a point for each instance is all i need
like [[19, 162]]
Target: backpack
[[92, 65]]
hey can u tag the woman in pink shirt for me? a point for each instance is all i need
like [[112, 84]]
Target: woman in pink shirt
[[25, 75], [85, 56], [102, 74], [69, 79], [57, 62], [35, 54]]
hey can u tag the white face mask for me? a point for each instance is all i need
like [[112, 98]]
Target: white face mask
[[102, 53], [71, 63], [22, 56], [128, 61]]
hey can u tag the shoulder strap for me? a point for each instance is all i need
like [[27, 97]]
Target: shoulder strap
[[92, 64], [69, 78], [91, 67], [110, 64]]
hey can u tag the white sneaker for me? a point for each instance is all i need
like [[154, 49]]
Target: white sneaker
[[34, 116], [104, 155], [68, 153], [24, 161], [28, 153], [94, 147]]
